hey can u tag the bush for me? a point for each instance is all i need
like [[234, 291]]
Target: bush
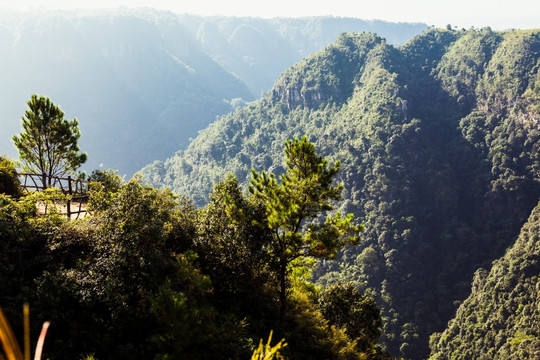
[[9, 181]]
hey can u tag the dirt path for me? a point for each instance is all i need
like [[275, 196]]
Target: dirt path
[[62, 208]]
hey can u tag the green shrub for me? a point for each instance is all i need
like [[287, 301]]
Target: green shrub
[[9, 182]]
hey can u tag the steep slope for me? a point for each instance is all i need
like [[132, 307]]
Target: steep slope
[[501, 317], [439, 146], [253, 136]]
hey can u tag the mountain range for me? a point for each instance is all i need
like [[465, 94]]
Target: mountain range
[[438, 138], [439, 143], [142, 82]]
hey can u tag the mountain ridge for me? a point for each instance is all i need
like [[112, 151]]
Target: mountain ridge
[[434, 155]]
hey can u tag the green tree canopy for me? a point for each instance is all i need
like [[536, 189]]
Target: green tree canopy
[[9, 182], [344, 305], [305, 191], [48, 144]]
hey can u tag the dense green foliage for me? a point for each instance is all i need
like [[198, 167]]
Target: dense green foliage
[[142, 82], [9, 181], [147, 275], [439, 148], [48, 144], [501, 317], [305, 190], [343, 305], [108, 179]]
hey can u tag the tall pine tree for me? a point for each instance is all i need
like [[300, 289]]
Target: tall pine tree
[[48, 144], [304, 193]]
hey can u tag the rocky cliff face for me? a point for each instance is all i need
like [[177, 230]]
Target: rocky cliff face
[[298, 94]]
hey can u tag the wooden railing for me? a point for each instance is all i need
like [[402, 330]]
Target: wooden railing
[[76, 189]]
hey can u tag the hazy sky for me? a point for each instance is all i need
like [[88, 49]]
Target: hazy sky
[[499, 14]]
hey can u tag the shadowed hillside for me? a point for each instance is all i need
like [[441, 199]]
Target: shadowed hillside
[[501, 317], [439, 145]]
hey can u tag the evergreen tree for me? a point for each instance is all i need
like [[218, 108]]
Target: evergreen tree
[[305, 191], [48, 144]]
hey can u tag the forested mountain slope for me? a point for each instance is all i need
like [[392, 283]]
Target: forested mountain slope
[[501, 317], [439, 145], [142, 82]]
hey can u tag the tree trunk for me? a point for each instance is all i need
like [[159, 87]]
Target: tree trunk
[[44, 180], [282, 297]]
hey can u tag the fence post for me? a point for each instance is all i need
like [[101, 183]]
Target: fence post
[[69, 198], [44, 180]]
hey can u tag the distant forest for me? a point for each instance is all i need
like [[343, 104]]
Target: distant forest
[[439, 144]]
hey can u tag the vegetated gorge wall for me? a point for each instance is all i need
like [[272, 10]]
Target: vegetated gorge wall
[[439, 143]]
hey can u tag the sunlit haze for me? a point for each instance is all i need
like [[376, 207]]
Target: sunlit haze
[[499, 14]]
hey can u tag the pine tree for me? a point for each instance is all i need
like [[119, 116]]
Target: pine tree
[[304, 192], [48, 144]]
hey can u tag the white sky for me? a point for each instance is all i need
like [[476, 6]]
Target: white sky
[[499, 14]]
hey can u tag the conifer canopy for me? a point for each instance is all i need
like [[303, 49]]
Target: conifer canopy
[[48, 144]]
